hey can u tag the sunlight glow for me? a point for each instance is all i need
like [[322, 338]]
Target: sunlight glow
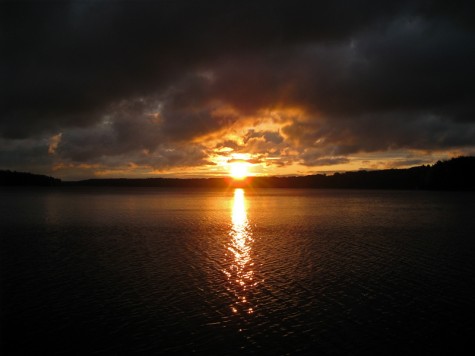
[[240, 273], [239, 170]]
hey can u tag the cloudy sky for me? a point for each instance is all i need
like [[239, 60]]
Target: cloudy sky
[[184, 88]]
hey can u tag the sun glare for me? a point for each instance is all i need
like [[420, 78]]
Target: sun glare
[[238, 170]]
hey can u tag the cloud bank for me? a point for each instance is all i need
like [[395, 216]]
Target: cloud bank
[[151, 87]]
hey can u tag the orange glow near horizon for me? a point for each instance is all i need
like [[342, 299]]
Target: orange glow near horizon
[[238, 170]]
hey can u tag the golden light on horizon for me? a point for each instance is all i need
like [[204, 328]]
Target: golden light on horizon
[[239, 170]]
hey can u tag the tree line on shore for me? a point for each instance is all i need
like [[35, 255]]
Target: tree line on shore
[[455, 174]]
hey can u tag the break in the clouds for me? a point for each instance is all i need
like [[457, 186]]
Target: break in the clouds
[[139, 87]]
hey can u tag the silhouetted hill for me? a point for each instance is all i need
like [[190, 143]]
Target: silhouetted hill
[[9, 178], [455, 174], [154, 182]]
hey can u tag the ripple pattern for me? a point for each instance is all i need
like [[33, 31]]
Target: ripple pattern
[[153, 271]]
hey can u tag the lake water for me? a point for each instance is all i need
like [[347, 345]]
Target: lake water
[[120, 271]]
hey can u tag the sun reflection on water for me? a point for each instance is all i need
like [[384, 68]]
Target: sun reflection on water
[[240, 273]]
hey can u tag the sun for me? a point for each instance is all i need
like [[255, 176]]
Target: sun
[[238, 170]]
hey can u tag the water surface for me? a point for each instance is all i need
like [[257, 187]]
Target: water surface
[[275, 271]]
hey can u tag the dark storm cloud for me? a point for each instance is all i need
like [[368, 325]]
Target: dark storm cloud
[[143, 78], [410, 86], [131, 132], [310, 160], [16, 154], [63, 62]]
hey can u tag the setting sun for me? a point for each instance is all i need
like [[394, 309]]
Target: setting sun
[[238, 170]]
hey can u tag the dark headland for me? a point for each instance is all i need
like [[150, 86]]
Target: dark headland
[[455, 174]]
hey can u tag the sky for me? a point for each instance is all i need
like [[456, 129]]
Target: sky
[[173, 88]]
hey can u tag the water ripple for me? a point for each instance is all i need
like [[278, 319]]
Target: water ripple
[[227, 272]]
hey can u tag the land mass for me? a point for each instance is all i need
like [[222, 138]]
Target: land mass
[[455, 174]]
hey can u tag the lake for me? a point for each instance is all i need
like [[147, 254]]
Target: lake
[[118, 271]]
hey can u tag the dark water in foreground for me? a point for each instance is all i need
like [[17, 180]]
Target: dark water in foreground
[[150, 271]]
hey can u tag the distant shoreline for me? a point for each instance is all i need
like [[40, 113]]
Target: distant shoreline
[[455, 174]]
